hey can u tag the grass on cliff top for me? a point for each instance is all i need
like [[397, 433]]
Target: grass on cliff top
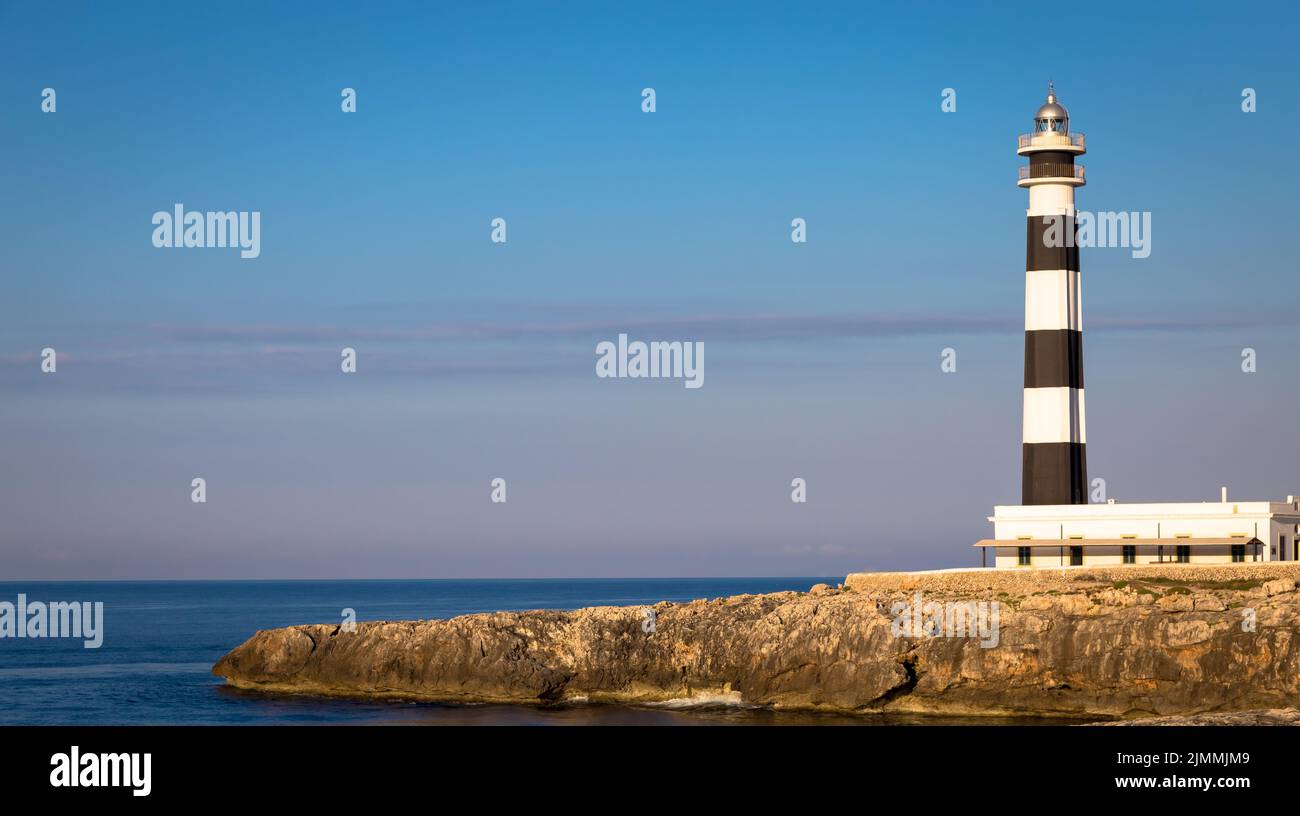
[[1236, 583], [1140, 588], [1161, 581]]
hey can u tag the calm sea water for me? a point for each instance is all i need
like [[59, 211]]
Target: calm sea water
[[162, 638]]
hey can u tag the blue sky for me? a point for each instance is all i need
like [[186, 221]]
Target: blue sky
[[476, 359]]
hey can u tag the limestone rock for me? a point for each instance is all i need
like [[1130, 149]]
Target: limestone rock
[[1278, 586], [1208, 603], [1067, 643], [1176, 603], [1271, 716]]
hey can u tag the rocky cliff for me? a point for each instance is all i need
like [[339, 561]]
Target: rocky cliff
[[1117, 643]]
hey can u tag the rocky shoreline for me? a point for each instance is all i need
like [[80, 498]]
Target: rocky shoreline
[[1097, 644], [1268, 716]]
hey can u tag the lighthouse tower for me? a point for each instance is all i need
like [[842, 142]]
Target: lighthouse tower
[[1054, 467]]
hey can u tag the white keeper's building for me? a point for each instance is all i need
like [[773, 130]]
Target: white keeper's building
[[1056, 526], [1061, 535]]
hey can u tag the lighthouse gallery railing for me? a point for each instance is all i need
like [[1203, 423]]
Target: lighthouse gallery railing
[[1072, 139], [1051, 171]]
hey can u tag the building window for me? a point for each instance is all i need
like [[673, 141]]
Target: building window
[[1130, 554], [1022, 556], [1184, 553], [1238, 553], [1076, 556], [1281, 547]]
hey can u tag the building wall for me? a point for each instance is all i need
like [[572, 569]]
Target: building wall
[[1283, 527], [1046, 558]]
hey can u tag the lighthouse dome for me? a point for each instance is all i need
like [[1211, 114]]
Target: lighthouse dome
[[1052, 110], [1052, 117]]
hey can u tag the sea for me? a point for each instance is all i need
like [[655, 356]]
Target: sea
[[161, 639]]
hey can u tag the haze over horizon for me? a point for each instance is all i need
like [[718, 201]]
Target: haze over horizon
[[476, 359]]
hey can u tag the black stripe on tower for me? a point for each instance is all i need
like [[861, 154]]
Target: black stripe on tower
[[1051, 164], [1054, 358], [1051, 157], [1060, 232], [1054, 473]]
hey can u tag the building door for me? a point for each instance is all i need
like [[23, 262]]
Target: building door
[[1076, 556]]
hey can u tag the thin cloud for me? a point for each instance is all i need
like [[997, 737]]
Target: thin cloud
[[739, 328]]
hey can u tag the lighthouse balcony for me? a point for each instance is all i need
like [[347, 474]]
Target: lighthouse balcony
[[1031, 174], [1061, 142]]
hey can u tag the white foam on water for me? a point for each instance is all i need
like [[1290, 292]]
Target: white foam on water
[[706, 699]]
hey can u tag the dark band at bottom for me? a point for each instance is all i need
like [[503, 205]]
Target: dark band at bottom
[[1054, 473]]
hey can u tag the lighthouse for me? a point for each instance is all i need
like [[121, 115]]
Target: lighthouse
[[1054, 525], [1054, 465]]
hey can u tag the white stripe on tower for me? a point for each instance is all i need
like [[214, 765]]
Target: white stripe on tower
[[1052, 300], [1054, 415], [1055, 462]]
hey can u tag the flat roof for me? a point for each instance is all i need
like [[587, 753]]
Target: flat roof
[[1152, 511], [1255, 505], [1113, 542]]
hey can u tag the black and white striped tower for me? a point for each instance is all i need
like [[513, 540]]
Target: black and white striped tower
[[1054, 468]]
